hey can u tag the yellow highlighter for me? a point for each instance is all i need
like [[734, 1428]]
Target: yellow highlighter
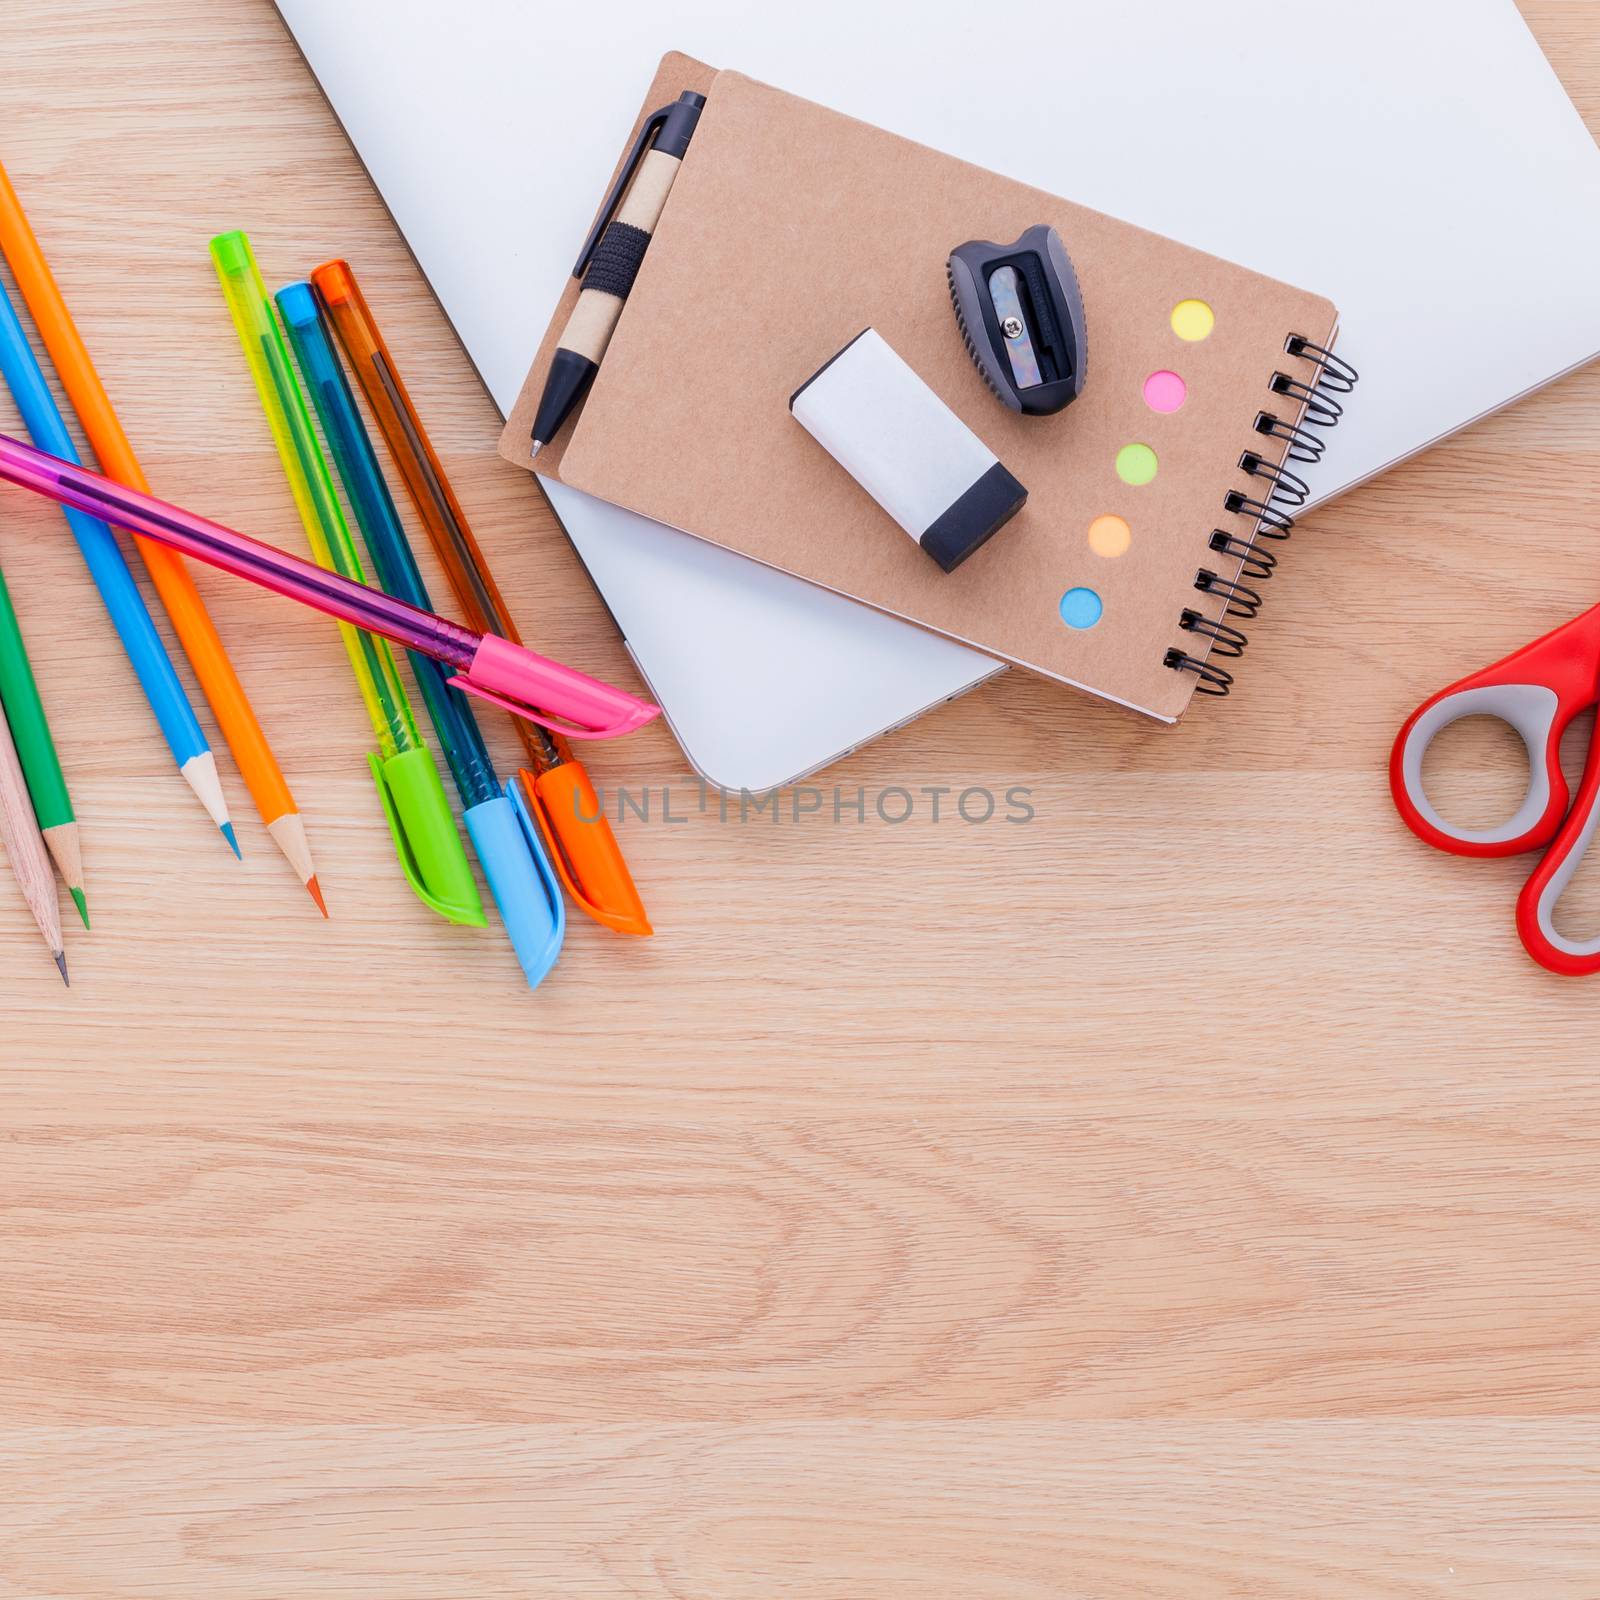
[[414, 802]]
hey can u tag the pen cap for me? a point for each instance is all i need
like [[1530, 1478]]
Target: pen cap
[[522, 882], [583, 847], [297, 304], [907, 449], [425, 837], [517, 679]]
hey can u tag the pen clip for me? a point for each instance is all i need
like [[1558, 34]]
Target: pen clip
[[568, 730], [652, 126], [468, 914]]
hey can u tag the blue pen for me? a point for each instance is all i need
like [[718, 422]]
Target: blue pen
[[508, 846], [104, 559]]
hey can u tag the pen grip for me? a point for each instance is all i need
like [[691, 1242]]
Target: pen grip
[[617, 258]]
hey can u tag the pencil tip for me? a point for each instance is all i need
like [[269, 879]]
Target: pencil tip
[[538, 445], [314, 889], [200, 773], [233, 842], [81, 903], [61, 964]]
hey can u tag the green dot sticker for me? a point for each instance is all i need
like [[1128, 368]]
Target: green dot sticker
[[1136, 464]]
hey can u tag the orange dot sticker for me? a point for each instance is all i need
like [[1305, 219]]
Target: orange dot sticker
[[1110, 536]]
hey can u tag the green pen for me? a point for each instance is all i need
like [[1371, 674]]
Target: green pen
[[41, 766], [425, 835]]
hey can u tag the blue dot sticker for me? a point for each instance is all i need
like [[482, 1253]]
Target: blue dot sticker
[[1081, 608]]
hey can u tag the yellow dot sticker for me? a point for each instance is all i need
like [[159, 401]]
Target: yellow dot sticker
[[1193, 320], [1136, 464], [1110, 536]]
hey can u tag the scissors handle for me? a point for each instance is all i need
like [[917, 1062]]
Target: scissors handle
[[1572, 958], [1538, 691]]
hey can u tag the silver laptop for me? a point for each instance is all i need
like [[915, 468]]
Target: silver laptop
[[1266, 133]]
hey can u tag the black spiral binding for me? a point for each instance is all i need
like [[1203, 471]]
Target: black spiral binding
[[1238, 599], [1269, 508], [1304, 447], [1253, 562]]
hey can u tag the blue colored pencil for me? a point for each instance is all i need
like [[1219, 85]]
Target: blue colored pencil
[[101, 554]]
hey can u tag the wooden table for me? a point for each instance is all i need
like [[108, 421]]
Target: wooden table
[[1188, 1194]]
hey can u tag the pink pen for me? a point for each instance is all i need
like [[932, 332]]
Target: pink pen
[[494, 669]]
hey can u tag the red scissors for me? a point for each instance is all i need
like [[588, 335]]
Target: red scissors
[[1538, 691]]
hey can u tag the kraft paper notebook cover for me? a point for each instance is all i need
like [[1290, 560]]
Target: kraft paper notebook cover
[[788, 230]]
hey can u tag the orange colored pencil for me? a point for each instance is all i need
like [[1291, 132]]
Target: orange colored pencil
[[190, 620]]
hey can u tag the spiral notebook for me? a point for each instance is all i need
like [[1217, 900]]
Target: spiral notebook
[[1158, 493]]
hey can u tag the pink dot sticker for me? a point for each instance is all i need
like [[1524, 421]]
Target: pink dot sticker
[[1165, 391]]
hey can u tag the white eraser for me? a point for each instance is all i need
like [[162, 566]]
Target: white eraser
[[907, 449]]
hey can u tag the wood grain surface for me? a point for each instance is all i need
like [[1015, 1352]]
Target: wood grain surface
[[1188, 1194]]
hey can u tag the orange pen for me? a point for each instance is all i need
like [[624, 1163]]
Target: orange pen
[[581, 844], [190, 620]]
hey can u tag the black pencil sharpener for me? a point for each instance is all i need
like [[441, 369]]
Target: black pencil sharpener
[[1020, 312]]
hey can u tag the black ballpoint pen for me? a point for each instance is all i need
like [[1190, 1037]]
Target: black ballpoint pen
[[611, 255]]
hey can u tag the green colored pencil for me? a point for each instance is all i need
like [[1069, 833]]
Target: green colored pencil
[[41, 766]]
